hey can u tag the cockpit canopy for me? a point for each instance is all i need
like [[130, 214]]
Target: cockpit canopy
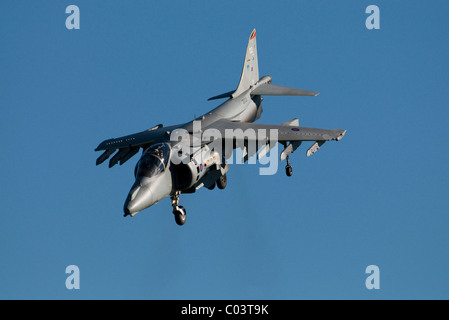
[[153, 161]]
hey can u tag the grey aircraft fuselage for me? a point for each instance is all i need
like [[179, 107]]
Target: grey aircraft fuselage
[[150, 190], [154, 189], [157, 177]]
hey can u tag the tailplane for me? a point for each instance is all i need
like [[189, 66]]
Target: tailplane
[[272, 90]]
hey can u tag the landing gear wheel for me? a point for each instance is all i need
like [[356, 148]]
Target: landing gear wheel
[[180, 215], [222, 182], [288, 171], [212, 187], [179, 211], [288, 168]]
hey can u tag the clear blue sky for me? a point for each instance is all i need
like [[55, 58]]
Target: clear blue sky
[[378, 197]]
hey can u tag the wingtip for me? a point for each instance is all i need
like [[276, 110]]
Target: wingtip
[[342, 134]]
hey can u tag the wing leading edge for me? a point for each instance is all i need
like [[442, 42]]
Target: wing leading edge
[[289, 134], [285, 132]]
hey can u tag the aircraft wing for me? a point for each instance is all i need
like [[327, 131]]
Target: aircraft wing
[[288, 132], [285, 132], [129, 145]]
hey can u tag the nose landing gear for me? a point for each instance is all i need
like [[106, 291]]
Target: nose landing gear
[[180, 215], [179, 211]]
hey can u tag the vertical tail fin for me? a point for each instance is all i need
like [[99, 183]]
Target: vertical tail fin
[[250, 72], [250, 77]]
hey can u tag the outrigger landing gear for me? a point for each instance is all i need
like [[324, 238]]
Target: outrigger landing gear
[[179, 211], [288, 168]]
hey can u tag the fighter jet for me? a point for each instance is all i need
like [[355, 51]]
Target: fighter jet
[[182, 158]]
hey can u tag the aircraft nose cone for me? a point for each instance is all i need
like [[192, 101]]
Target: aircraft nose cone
[[138, 199]]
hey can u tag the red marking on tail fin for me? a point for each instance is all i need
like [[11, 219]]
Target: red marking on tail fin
[[253, 35]]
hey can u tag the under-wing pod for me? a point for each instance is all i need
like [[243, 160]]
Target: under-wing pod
[[105, 156], [116, 158], [290, 149], [314, 148], [129, 155]]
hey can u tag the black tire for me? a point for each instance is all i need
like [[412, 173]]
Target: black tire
[[180, 216], [222, 182], [212, 187], [288, 171]]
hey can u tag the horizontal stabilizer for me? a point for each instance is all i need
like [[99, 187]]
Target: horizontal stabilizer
[[273, 90], [222, 96]]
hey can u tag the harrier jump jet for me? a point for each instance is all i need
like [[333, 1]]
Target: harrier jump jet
[[158, 175]]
